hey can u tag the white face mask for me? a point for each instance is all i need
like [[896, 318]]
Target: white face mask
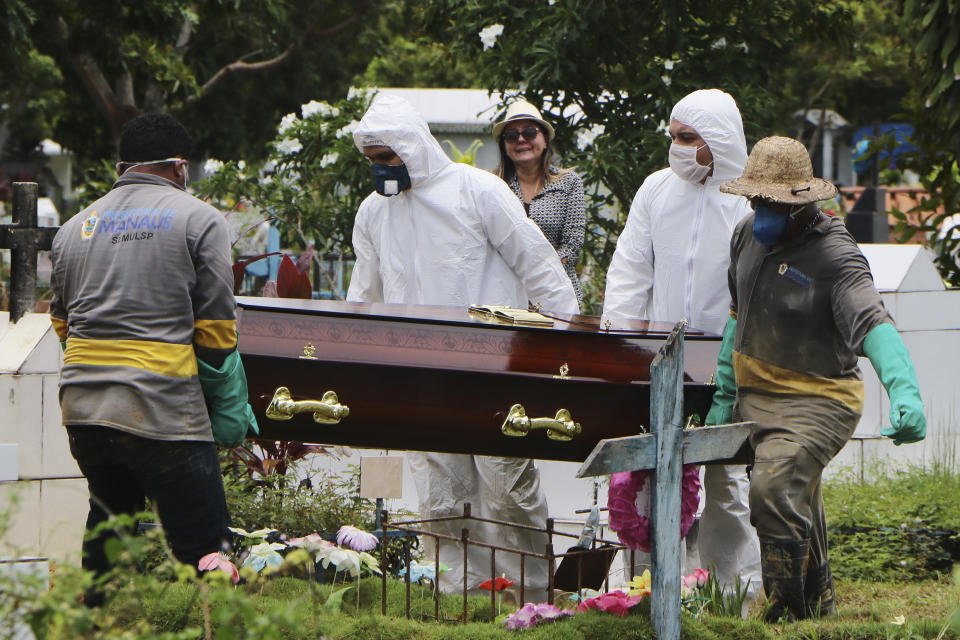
[[683, 161]]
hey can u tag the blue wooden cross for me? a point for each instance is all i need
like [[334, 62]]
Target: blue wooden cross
[[665, 450]]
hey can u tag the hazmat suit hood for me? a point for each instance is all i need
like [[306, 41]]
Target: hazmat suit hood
[[715, 116], [391, 121]]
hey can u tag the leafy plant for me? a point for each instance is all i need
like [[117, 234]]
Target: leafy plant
[[311, 184]]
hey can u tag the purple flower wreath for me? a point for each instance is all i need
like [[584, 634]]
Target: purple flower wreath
[[631, 526]]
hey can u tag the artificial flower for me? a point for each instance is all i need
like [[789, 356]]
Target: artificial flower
[[583, 595], [499, 584], [343, 559], [427, 571], [265, 555], [531, 614], [311, 542], [356, 539], [370, 562], [616, 602], [259, 533], [217, 560], [696, 579], [625, 519], [640, 585]]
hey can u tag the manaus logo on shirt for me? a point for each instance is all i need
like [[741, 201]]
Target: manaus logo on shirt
[[89, 226]]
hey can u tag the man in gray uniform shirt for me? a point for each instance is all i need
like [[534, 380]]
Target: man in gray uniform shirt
[[143, 298]]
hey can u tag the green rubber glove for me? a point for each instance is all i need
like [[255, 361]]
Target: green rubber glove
[[225, 390], [891, 361], [721, 411]]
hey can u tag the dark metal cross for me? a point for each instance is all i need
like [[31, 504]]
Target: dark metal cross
[[24, 239], [665, 450]]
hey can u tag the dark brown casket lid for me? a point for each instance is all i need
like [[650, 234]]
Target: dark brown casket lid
[[457, 315]]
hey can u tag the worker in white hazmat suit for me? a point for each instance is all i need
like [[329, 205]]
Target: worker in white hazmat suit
[[671, 263], [445, 233]]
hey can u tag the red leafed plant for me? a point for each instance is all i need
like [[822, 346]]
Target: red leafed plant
[[276, 455], [291, 281], [240, 266]]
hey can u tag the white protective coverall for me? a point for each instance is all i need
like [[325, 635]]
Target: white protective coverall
[[671, 263], [458, 236]]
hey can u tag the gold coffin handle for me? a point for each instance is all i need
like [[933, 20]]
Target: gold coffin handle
[[560, 427], [327, 410]]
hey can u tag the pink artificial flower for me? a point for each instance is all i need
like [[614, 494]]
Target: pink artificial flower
[[616, 602], [311, 542], [356, 539], [217, 560], [587, 604], [701, 575], [689, 497], [531, 614], [632, 527]]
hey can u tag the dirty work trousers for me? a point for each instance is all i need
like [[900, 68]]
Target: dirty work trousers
[[793, 441], [182, 478]]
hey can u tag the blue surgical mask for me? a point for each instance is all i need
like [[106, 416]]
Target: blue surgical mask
[[390, 179], [770, 226]]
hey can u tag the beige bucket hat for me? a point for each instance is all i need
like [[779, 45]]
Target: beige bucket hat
[[779, 169], [521, 110]]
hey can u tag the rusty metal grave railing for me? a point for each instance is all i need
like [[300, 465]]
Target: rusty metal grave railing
[[412, 528]]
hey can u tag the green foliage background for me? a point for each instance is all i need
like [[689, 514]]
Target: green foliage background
[[622, 64]]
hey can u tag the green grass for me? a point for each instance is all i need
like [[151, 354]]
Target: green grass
[[896, 525], [294, 608]]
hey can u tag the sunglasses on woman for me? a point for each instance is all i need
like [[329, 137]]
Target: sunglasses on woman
[[528, 134]]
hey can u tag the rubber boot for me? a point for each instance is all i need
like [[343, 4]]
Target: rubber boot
[[818, 591], [784, 565]]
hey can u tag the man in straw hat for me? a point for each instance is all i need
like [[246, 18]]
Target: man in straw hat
[[438, 232], [670, 263], [803, 308]]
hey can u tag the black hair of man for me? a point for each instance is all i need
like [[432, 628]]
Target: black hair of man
[[153, 136]]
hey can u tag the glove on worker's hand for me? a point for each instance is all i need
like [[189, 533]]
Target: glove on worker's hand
[[225, 390], [891, 361], [721, 411]]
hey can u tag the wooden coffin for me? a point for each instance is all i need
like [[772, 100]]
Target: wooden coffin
[[443, 379]]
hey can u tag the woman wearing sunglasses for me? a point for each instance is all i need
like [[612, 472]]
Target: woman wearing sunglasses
[[552, 197]]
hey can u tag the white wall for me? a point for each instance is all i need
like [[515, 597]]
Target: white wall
[[47, 494]]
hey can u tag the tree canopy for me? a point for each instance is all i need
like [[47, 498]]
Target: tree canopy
[[228, 68]]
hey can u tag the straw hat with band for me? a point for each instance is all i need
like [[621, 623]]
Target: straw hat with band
[[779, 170], [521, 110]]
